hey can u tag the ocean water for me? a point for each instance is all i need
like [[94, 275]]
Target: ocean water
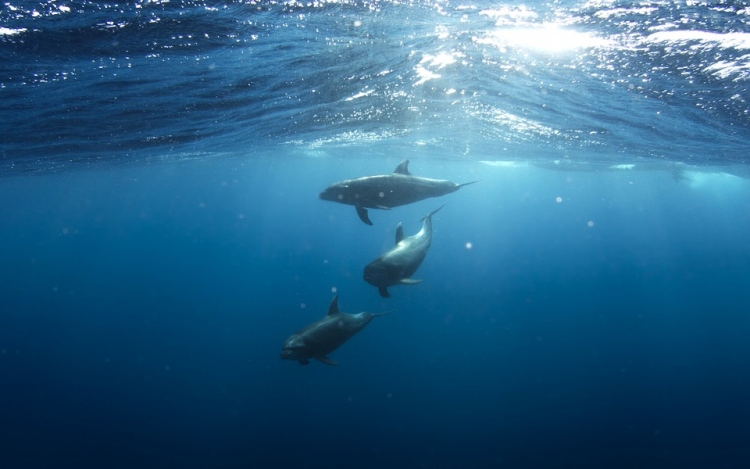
[[585, 305]]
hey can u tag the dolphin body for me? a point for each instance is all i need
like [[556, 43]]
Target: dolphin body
[[322, 337], [397, 265], [387, 190]]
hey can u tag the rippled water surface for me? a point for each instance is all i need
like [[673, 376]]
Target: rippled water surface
[[85, 81]]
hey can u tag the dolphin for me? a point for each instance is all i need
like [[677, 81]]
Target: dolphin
[[322, 337], [397, 265], [387, 190]]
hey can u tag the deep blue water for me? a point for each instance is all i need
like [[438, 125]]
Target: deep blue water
[[583, 306]]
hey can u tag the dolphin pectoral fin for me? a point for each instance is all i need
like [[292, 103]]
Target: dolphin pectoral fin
[[362, 212], [326, 360], [304, 361], [384, 292], [409, 281]]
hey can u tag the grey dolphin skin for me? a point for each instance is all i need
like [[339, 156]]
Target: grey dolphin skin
[[322, 337], [387, 191], [397, 265]]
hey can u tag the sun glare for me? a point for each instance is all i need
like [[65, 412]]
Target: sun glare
[[548, 38]]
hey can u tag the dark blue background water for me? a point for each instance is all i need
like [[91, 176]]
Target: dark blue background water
[[162, 235]]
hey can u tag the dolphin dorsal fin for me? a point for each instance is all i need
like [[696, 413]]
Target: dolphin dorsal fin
[[403, 168], [334, 307], [399, 233]]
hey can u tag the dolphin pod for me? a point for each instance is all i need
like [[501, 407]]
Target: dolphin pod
[[386, 191], [395, 267]]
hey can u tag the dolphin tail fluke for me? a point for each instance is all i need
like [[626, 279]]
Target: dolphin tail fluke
[[326, 360], [384, 292], [362, 212]]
